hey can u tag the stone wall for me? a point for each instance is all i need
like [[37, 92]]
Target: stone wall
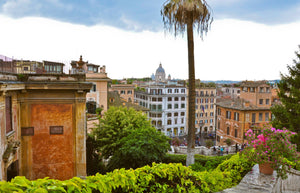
[[202, 150], [254, 182]]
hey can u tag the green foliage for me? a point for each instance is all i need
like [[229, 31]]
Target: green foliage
[[209, 143], [228, 141], [140, 147], [201, 162], [99, 110], [237, 166], [287, 114], [172, 177], [129, 137]]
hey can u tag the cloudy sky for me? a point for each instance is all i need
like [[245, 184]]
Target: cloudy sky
[[249, 39]]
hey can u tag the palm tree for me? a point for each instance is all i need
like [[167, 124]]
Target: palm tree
[[178, 15]]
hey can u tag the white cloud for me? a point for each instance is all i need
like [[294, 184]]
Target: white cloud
[[235, 50]]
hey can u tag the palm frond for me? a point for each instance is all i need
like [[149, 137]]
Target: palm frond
[[176, 13]]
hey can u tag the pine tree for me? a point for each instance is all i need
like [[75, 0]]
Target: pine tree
[[287, 114]]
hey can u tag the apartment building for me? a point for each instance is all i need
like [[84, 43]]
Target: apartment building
[[126, 91], [205, 109], [167, 104], [250, 111]]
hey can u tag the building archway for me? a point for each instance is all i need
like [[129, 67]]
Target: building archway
[[12, 170]]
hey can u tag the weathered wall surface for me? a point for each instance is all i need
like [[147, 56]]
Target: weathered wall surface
[[52, 154]]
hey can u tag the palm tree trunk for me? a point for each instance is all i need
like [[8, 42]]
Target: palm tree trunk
[[191, 105]]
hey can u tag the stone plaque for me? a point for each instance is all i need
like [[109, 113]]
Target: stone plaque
[[56, 130], [27, 131]]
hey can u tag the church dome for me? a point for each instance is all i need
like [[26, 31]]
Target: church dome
[[160, 69], [160, 75]]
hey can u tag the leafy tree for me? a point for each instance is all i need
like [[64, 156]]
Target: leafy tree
[[141, 147], [181, 15], [126, 134], [287, 114], [228, 141]]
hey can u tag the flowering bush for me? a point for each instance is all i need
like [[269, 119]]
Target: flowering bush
[[272, 146]]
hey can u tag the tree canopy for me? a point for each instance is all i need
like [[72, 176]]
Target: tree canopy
[[287, 112], [128, 136]]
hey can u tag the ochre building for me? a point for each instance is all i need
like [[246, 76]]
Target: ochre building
[[250, 111]]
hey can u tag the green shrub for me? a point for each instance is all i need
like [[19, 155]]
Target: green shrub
[[173, 177]]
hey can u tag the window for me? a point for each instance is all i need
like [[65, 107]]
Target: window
[[129, 92], [211, 120], [182, 120], [154, 99], [219, 111], [183, 106], [169, 114], [253, 117], [169, 98], [266, 116], [8, 114], [169, 106], [182, 98], [228, 114], [176, 114], [251, 89], [176, 98], [176, 106], [235, 133], [169, 122], [159, 99], [247, 117], [261, 101], [176, 91], [169, 90], [268, 89], [228, 131], [236, 116], [93, 88], [182, 114], [122, 91], [90, 68], [159, 107], [175, 121], [260, 116], [261, 89], [267, 101], [25, 68], [211, 114], [182, 90], [211, 106], [153, 107]]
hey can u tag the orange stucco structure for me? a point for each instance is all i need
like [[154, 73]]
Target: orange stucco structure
[[48, 123]]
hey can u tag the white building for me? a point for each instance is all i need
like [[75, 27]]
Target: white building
[[167, 104]]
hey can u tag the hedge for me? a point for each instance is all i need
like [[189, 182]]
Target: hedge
[[172, 177]]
